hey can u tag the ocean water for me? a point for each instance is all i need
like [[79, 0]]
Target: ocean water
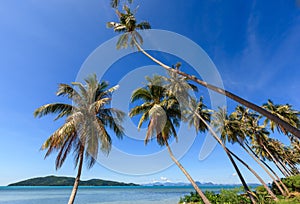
[[98, 195]]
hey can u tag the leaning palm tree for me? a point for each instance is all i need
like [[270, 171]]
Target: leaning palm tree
[[163, 113], [85, 127], [230, 132], [283, 156], [284, 112], [196, 113], [248, 125], [265, 150], [128, 25]]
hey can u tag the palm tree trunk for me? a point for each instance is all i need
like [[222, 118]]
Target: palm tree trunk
[[274, 160], [264, 168], [77, 179], [277, 177], [234, 97], [257, 176], [201, 194], [289, 173], [292, 166], [246, 188]]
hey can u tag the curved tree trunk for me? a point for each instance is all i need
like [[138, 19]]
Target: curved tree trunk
[[293, 168], [277, 177], [287, 126], [201, 194], [274, 160], [257, 176], [77, 179], [246, 188], [284, 167], [264, 168]]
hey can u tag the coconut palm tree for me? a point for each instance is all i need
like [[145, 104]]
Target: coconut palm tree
[[262, 146], [162, 111], [128, 25], [245, 120], [85, 127], [231, 132], [283, 155], [196, 109], [196, 112], [284, 112]]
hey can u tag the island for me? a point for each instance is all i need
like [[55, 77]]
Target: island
[[67, 181]]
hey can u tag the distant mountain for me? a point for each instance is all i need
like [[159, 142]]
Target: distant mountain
[[67, 181], [174, 184], [189, 184]]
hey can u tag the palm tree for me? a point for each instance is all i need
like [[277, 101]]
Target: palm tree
[[230, 132], [196, 109], [284, 112], [196, 112], [128, 27], [246, 120], [283, 155], [162, 111], [85, 127], [179, 86], [127, 24], [263, 148]]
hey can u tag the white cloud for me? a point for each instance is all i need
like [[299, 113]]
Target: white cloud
[[234, 174], [164, 179]]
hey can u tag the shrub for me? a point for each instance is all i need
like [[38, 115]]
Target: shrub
[[292, 183], [231, 196]]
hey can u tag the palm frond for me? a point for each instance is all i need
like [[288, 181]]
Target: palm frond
[[141, 94], [123, 41], [104, 137], [99, 104], [136, 37], [67, 90], [145, 107], [113, 118], [64, 151], [55, 108], [83, 91], [114, 3], [143, 25], [143, 118]]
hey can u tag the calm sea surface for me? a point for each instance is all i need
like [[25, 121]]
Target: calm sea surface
[[97, 195]]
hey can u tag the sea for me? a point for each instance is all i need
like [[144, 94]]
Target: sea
[[99, 195]]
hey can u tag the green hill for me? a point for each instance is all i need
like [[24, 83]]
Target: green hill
[[67, 181]]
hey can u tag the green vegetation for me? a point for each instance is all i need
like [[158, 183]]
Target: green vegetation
[[292, 183], [67, 181], [235, 196], [232, 196]]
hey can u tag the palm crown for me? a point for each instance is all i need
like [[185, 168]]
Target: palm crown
[[128, 25], [86, 121], [160, 108]]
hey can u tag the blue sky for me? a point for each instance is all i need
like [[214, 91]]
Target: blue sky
[[254, 45]]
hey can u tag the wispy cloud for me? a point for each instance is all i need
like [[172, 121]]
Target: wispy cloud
[[265, 63]]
